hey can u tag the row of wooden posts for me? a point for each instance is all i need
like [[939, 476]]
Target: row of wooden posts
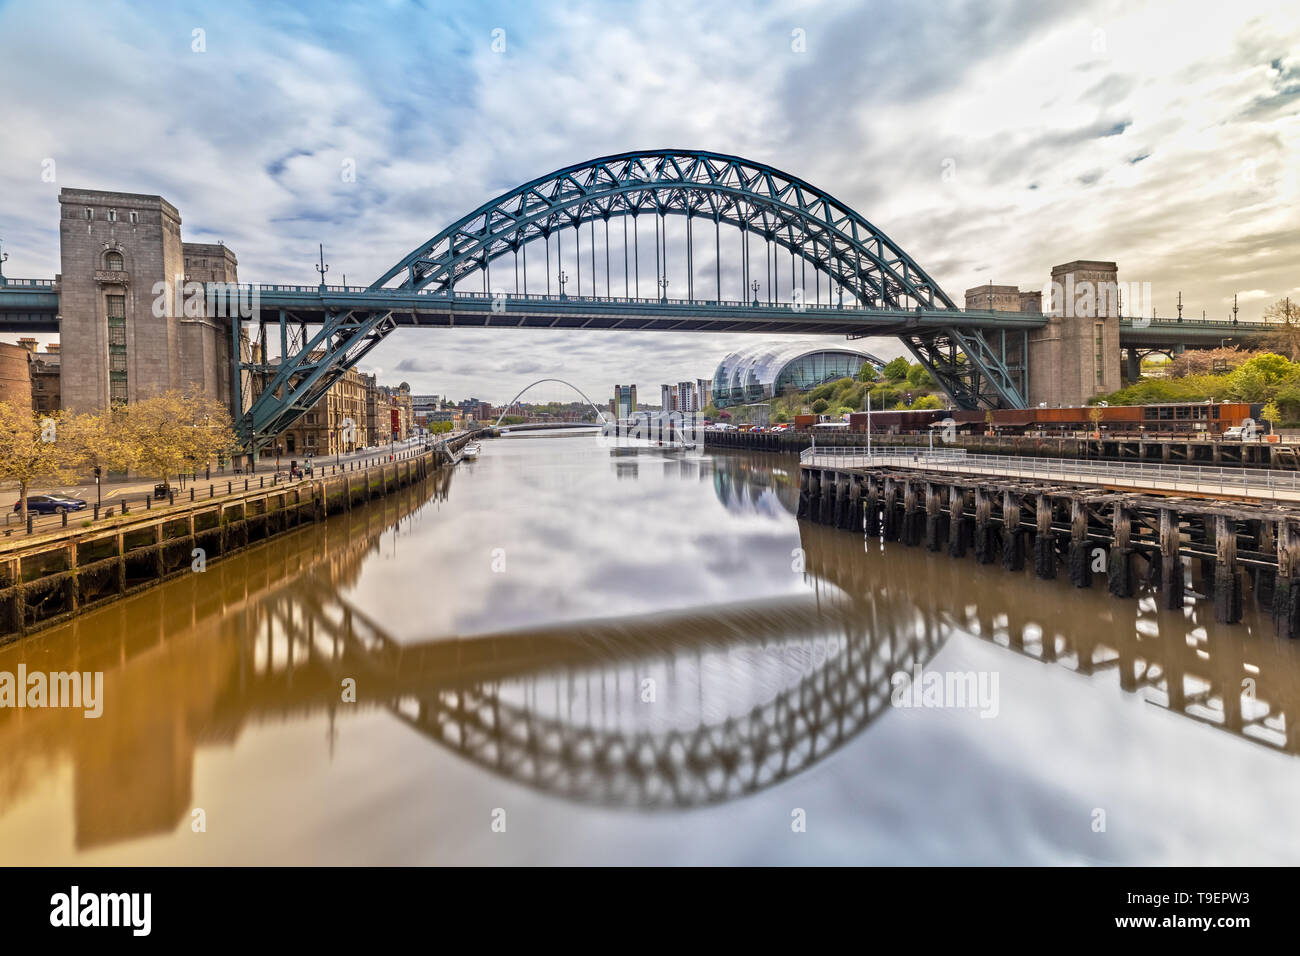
[[1081, 530]]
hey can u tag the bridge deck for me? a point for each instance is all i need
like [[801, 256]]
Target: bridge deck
[[32, 305]]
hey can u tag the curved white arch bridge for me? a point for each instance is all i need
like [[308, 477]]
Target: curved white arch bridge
[[506, 408]]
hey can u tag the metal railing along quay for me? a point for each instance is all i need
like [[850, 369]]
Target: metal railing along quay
[[1200, 479]]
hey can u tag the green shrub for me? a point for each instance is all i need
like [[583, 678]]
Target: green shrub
[[897, 370], [918, 377]]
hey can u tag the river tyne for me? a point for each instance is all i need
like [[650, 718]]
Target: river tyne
[[568, 654]]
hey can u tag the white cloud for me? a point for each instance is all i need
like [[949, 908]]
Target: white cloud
[[1161, 136]]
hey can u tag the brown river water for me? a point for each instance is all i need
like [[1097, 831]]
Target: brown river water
[[562, 654]]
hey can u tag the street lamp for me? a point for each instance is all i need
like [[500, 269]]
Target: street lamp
[[4, 257], [754, 287], [322, 268], [563, 277], [663, 286]]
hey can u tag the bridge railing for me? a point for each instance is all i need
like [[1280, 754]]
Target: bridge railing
[[443, 295], [851, 456], [1185, 477]]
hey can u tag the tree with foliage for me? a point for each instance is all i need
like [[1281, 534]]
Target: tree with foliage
[[1271, 414], [819, 407], [928, 402], [175, 430], [32, 450], [1285, 338], [918, 377], [867, 373], [845, 410], [897, 370], [1259, 378], [99, 439], [882, 396]]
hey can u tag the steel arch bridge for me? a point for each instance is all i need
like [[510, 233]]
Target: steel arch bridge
[[873, 287], [594, 407]]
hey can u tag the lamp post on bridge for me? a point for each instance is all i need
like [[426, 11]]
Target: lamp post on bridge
[[4, 257], [322, 268], [663, 289], [754, 288], [563, 277]]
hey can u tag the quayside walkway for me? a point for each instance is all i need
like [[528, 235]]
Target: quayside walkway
[[1207, 481]]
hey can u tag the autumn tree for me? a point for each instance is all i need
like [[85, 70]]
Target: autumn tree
[[32, 449], [99, 439], [1284, 315], [1271, 414], [174, 430]]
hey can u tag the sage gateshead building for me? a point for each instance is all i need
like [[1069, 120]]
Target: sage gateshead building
[[760, 373]]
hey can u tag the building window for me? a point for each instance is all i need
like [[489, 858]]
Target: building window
[[135, 217], [1099, 359], [116, 308], [112, 215], [90, 213], [113, 262]]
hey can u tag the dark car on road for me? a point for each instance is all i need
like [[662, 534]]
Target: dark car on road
[[50, 504]]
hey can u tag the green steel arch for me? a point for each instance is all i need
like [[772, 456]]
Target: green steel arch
[[977, 363], [727, 190]]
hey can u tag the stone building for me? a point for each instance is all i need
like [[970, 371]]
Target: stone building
[[45, 368], [379, 412], [126, 326], [336, 424], [1076, 355]]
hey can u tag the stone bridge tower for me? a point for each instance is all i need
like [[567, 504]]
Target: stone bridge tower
[[125, 332]]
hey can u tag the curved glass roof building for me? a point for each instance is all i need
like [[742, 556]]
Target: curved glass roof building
[[757, 374]]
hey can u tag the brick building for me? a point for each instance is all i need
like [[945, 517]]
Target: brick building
[[15, 374]]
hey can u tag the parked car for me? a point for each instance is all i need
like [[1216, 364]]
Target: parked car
[[50, 504]]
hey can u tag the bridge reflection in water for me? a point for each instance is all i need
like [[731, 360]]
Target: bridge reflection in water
[[267, 637]]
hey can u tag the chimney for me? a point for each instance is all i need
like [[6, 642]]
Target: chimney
[[28, 343], [52, 348]]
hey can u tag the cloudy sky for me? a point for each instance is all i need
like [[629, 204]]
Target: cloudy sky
[[991, 140]]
